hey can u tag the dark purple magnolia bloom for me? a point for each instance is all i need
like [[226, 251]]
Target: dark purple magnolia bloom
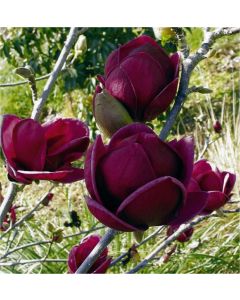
[[142, 77], [217, 184], [217, 127], [80, 252], [43, 152], [184, 236], [139, 181]]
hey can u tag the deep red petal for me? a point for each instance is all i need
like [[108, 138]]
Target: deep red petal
[[108, 218], [29, 145], [120, 87], [103, 267], [185, 149], [80, 252], [215, 201], [121, 172], [210, 181], [8, 123], [146, 76], [195, 203], [193, 186], [94, 154], [59, 133], [175, 60], [15, 176], [154, 203], [126, 132], [200, 167], [68, 175], [164, 160], [72, 151], [162, 101], [228, 180], [136, 44]]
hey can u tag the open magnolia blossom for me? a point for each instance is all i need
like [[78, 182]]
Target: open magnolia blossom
[[43, 152], [142, 77], [80, 252], [208, 178], [137, 180]]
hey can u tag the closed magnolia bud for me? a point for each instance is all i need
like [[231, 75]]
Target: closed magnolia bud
[[138, 235], [58, 236], [166, 33], [109, 113], [25, 72], [217, 127], [81, 45]]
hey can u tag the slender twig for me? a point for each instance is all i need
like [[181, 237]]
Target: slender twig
[[181, 35], [199, 89], [207, 144], [90, 260], [38, 105], [188, 65], [173, 237], [38, 243], [7, 201], [71, 39], [33, 87], [144, 241], [29, 214], [33, 261], [12, 84]]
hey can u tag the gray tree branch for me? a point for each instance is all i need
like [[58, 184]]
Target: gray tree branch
[[38, 105], [173, 237], [188, 65]]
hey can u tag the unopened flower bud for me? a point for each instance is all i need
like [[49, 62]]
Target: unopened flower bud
[[109, 113], [58, 236], [81, 45], [217, 127], [138, 235], [47, 199], [25, 72]]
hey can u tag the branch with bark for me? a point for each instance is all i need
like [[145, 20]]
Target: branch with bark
[[174, 236], [189, 63], [38, 106]]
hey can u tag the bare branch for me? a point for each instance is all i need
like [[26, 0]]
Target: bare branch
[[33, 261], [173, 237], [152, 235], [71, 39], [7, 202], [38, 105], [181, 35], [10, 251], [29, 214], [13, 84], [188, 65]]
